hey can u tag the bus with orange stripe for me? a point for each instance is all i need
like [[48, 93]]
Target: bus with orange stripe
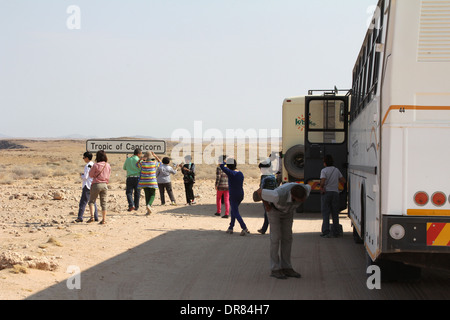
[[399, 131]]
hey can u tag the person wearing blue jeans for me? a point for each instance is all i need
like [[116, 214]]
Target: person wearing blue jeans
[[86, 188], [235, 186], [330, 206], [330, 177], [85, 194], [133, 174]]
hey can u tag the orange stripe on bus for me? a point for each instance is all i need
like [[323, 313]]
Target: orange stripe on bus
[[433, 108], [428, 212]]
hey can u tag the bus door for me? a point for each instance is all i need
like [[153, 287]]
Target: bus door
[[326, 133]]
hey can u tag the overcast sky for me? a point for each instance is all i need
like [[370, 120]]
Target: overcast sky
[[114, 68]]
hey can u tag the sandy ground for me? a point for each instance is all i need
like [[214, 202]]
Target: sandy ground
[[37, 230], [44, 229], [178, 253]]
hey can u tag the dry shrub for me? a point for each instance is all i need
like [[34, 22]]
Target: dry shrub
[[20, 173], [59, 173], [38, 173]]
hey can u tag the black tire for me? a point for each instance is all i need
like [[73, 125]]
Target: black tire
[[294, 161]]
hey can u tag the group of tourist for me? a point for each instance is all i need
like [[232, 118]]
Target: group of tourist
[[144, 172], [149, 172]]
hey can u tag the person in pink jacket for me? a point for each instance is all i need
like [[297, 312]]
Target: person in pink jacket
[[100, 172]]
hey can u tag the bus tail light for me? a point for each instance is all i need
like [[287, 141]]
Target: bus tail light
[[438, 199], [421, 198]]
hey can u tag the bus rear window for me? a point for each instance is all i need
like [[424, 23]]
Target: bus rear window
[[326, 122]]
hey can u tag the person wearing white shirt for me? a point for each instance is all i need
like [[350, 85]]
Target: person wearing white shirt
[[330, 176], [86, 186], [281, 204], [164, 182]]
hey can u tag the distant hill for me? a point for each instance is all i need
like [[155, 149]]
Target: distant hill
[[4, 144], [82, 137], [75, 137]]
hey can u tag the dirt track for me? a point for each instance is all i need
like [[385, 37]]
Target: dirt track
[[191, 264]]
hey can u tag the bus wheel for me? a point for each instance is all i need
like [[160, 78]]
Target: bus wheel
[[294, 161]]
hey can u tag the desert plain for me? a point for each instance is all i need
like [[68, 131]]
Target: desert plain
[[40, 189], [177, 253]]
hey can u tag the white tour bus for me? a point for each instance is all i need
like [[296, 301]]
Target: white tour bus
[[392, 145], [399, 179]]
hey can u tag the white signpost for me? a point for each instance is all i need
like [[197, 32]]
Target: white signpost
[[126, 146]]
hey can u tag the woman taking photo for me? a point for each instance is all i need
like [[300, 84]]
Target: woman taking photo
[[147, 180], [235, 186]]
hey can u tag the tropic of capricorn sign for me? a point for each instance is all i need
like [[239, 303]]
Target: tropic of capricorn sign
[[126, 146]]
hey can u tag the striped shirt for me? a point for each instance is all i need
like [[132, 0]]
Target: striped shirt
[[148, 174]]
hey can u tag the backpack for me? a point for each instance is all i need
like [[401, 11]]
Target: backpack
[[189, 177], [269, 182]]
